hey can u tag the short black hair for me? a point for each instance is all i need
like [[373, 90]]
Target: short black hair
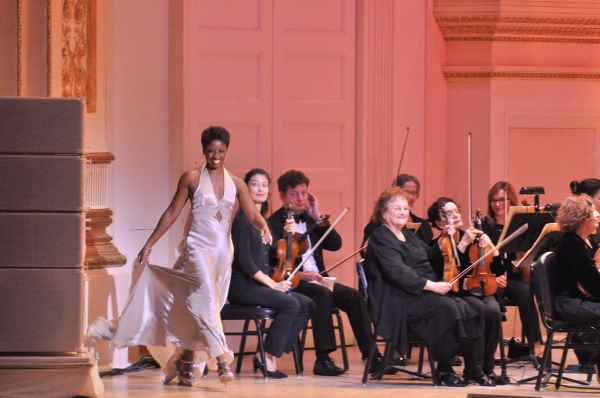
[[291, 179], [215, 133], [433, 212]]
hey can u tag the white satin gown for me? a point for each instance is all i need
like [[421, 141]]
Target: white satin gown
[[182, 305]]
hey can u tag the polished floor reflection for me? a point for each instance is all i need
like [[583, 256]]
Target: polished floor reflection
[[248, 384]]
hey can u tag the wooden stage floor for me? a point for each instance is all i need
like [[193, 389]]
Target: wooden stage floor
[[248, 384]]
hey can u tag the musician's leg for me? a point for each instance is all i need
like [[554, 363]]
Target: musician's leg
[[352, 303]]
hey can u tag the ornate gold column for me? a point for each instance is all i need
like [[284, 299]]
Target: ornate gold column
[[100, 251]]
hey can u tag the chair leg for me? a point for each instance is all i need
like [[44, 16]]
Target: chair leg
[[303, 342], [384, 360], [434, 375], [370, 358], [296, 354], [421, 356], [238, 367], [340, 328], [502, 353], [261, 346], [546, 361]]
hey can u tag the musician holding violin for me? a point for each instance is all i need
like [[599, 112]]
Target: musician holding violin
[[293, 190], [461, 248], [251, 284], [512, 282], [405, 293], [578, 279]]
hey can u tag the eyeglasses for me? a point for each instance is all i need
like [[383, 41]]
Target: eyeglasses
[[497, 201], [451, 213], [398, 209], [413, 194]]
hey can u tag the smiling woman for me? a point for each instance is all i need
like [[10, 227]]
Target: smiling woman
[[182, 305]]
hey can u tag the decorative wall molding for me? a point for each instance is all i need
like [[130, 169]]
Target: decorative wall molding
[[79, 51], [100, 252], [503, 23], [520, 73]]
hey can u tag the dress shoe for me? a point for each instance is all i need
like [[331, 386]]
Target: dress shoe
[[452, 380], [399, 362], [456, 361], [499, 380], [376, 363], [478, 378], [274, 375], [326, 367]]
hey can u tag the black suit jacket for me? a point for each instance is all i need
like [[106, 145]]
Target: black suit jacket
[[332, 242]]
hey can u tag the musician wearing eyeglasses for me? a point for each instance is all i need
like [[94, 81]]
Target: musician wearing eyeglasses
[[405, 293]]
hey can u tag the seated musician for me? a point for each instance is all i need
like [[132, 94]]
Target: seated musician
[[412, 187], [449, 212], [578, 280], [590, 187], [511, 282], [405, 292], [293, 190], [251, 284]]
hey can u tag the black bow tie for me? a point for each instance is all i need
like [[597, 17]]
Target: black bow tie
[[300, 217]]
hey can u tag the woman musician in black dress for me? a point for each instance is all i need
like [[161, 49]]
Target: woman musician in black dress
[[511, 282], [405, 292], [251, 284], [578, 280]]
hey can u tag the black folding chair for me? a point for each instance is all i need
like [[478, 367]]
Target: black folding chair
[[543, 278], [258, 315], [414, 340]]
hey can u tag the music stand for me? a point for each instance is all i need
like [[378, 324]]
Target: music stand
[[518, 216], [544, 243]]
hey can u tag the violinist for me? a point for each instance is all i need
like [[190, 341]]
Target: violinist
[[293, 190], [412, 187], [578, 280], [590, 187], [486, 306], [511, 282], [251, 285], [405, 292]]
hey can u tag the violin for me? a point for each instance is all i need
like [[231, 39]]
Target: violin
[[580, 286], [451, 261], [481, 282], [292, 247]]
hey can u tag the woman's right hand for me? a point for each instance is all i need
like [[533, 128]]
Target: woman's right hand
[[144, 255], [438, 287], [282, 286]]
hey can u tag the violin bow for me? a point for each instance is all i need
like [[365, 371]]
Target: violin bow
[[470, 177], [402, 155], [311, 251], [344, 260], [505, 241]]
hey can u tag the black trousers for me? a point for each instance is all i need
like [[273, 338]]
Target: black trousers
[[489, 310], [520, 292], [293, 312], [583, 312], [346, 299]]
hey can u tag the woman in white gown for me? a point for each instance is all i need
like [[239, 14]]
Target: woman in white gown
[[182, 305]]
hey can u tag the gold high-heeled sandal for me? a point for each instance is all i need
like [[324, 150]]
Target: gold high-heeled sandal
[[186, 377], [225, 375]]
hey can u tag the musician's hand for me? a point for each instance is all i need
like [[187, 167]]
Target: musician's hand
[[438, 287], [282, 286], [290, 226], [449, 230], [313, 207], [501, 281], [267, 238], [484, 240], [310, 276], [470, 235], [144, 255]]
